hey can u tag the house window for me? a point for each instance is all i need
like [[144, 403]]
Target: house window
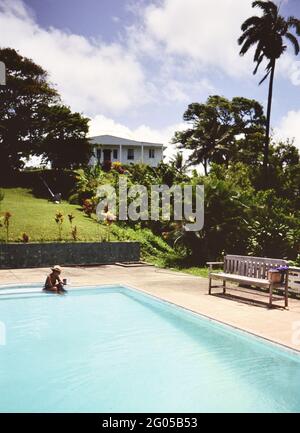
[[130, 154], [151, 153], [98, 155], [115, 154]]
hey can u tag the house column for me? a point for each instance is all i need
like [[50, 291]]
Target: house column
[[120, 156], [142, 152]]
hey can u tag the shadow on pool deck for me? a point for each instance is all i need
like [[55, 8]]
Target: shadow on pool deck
[[251, 314], [254, 297]]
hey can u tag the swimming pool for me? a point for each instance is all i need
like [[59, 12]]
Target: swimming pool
[[115, 349]]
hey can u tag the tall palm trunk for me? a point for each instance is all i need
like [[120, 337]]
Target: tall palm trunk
[[270, 96], [205, 167]]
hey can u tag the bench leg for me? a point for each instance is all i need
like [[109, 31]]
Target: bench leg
[[209, 286], [271, 295], [286, 296], [286, 290], [224, 287]]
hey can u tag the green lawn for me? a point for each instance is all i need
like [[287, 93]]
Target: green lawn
[[36, 217]]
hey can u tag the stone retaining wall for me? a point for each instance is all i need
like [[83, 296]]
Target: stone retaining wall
[[37, 255]]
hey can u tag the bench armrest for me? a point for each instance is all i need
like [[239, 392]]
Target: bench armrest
[[212, 264]]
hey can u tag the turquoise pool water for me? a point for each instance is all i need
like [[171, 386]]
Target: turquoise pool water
[[116, 350]]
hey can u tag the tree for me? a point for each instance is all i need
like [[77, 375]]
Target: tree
[[65, 144], [33, 121], [222, 131], [267, 32], [26, 90], [177, 162]]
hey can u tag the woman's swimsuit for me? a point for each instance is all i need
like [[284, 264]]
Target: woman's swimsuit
[[49, 286]]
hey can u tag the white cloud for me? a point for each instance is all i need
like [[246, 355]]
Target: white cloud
[[289, 67], [16, 8], [178, 91], [204, 33], [92, 76], [103, 125], [289, 127], [202, 30]]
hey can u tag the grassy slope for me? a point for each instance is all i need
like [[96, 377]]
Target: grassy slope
[[35, 217]]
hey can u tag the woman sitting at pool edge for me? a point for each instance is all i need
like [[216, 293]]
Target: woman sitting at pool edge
[[53, 281]]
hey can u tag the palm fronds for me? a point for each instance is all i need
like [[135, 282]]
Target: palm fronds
[[267, 32]]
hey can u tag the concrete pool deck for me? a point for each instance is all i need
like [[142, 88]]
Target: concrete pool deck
[[278, 325]]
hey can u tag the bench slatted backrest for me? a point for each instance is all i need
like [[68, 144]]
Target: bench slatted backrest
[[256, 267]]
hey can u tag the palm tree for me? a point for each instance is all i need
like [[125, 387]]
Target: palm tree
[[267, 32], [178, 162]]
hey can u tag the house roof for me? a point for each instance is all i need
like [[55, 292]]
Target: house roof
[[112, 140]]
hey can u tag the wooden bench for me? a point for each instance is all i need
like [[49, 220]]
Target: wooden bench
[[250, 271]]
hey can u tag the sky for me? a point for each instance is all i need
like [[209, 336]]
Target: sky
[[133, 66]]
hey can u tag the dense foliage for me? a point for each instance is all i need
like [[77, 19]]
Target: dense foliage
[[223, 131], [240, 216]]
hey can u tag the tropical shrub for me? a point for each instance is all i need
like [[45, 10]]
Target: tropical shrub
[[25, 238], [117, 166], [5, 222], [74, 233], [273, 227], [59, 219], [89, 207], [107, 166], [87, 182]]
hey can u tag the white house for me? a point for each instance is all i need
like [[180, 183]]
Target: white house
[[110, 148]]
